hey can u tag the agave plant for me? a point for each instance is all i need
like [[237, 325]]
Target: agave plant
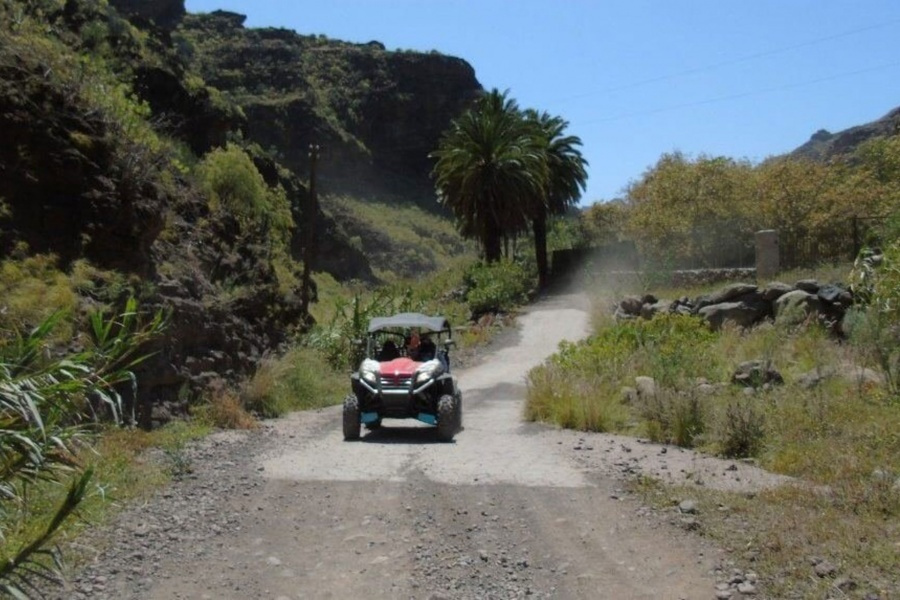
[[46, 408]]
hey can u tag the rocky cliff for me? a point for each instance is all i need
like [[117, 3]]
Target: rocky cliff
[[824, 145], [376, 113]]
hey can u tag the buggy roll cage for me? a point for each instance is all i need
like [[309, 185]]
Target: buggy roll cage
[[400, 324]]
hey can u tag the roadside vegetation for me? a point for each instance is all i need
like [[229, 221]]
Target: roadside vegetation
[[49, 408], [838, 437], [834, 535]]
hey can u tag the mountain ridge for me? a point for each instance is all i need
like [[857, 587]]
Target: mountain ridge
[[825, 146]]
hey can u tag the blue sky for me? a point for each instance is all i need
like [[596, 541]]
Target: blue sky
[[637, 78]]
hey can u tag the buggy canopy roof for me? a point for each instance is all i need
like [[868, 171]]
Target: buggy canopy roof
[[407, 320]]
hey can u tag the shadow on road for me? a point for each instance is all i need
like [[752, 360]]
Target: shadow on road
[[387, 434]]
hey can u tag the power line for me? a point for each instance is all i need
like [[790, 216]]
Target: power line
[[731, 62], [760, 92]]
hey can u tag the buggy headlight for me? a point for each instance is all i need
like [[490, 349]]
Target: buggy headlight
[[429, 370], [368, 370]]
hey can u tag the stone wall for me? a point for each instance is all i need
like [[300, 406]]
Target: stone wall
[[746, 304]]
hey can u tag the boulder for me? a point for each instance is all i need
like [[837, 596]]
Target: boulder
[[646, 386], [742, 314], [732, 292], [795, 307], [813, 378], [756, 374], [808, 285], [629, 395], [861, 376], [649, 299], [631, 305], [648, 311], [835, 294], [621, 315], [681, 309], [775, 290]]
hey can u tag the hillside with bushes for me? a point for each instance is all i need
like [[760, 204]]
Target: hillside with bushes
[[138, 163], [376, 113]]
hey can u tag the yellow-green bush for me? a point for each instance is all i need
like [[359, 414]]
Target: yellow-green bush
[[497, 287], [32, 289], [580, 386], [299, 380], [687, 209], [233, 183]]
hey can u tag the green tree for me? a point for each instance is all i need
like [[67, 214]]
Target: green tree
[[566, 177], [691, 210], [491, 171], [605, 222]]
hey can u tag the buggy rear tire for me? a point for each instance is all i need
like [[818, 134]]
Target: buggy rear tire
[[447, 417], [351, 418]]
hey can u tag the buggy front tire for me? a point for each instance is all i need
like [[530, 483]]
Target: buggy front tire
[[351, 418], [447, 417]]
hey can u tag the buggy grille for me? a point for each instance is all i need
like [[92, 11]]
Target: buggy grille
[[396, 383]]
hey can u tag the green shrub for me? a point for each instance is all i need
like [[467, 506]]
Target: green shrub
[[45, 402], [32, 289], [582, 382], [585, 403], [233, 183], [876, 331], [742, 431], [299, 380], [688, 420], [497, 287]]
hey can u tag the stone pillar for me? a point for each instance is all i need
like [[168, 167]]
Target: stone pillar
[[767, 259]]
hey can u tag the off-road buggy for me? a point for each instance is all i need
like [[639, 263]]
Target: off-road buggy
[[405, 375]]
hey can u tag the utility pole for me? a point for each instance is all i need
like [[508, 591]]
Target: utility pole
[[309, 249]]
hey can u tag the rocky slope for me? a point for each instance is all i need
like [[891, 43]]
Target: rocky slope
[[105, 116], [376, 113], [824, 145]]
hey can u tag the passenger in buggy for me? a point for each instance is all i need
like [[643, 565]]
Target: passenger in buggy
[[427, 348], [389, 351]]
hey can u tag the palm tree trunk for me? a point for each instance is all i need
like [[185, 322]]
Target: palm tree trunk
[[539, 227], [492, 241]]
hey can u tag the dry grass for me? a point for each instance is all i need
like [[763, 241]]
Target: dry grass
[[574, 402], [840, 437], [780, 533], [301, 379], [128, 464], [224, 409]]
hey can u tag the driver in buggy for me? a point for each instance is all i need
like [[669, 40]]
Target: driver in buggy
[[420, 347]]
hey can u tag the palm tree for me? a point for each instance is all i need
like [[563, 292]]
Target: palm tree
[[566, 177], [491, 171]]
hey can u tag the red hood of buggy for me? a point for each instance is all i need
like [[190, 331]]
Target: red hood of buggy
[[399, 367]]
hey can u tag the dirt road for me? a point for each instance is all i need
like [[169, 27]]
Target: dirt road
[[508, 510]]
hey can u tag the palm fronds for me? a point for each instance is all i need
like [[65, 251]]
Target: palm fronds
[[47, 403]]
